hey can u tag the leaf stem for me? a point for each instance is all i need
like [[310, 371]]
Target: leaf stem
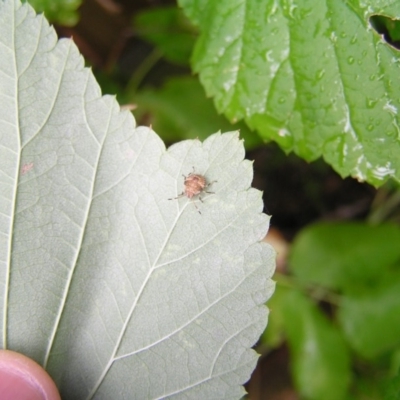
[[382, 212], [137, 77]]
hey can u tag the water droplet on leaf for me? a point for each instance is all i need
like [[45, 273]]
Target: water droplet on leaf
[[371, 102]]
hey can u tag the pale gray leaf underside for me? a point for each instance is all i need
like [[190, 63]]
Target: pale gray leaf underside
[[118, 291]]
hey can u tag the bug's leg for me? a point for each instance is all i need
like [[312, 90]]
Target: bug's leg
[[209, 184], [197, 208], [177, 197], [200, 199], [189, 174]]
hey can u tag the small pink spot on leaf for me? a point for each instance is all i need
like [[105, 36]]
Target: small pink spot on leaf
[[26, 168]]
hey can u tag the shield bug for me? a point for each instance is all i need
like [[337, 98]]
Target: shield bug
[[194, 185]]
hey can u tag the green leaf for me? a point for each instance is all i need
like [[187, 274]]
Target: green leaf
[[369, 386], [60, 11], [274, 335], [389, 28], [310, 74], [169, 30], [369, 320], [181, 110], [116, 290], [345, 256], [320, 359], [393, 388]]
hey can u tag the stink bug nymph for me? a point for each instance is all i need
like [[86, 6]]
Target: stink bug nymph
[[194, 185]]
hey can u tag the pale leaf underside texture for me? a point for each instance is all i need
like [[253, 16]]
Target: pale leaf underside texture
[[312, 75], [116, 290]]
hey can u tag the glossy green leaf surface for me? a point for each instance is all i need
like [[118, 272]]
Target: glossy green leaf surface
[[320, 359], [116, 290], [312, 75], [344, 256]]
